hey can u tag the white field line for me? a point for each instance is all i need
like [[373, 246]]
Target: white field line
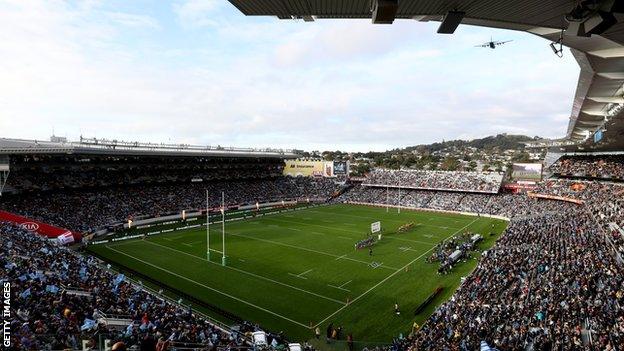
[[213, 289], [297, 276], [373, 287], [339, 288], [301, 275], [315, 233], [252, 274], [304, 249], [194, 244], [346, 283], [153, 243], [390, 276], [304, 273], [380, 264]]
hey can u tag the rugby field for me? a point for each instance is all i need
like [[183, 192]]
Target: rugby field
[[298, 269]]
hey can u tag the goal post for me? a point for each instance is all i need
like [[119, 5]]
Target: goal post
[[223, 258], [207, 227]]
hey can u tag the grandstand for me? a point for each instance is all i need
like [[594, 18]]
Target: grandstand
[[115, 245], [436, 180], [129, 215]]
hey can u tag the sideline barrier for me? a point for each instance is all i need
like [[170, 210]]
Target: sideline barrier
[[474, 191], [429, 210], [51, 232], [244, 215], [193, 214]]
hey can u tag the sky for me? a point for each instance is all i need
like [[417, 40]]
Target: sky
[[200, 72]]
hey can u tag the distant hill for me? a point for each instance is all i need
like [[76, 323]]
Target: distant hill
[[500, 141], [485, 153]]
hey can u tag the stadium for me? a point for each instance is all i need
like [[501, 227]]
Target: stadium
[[128, 245]]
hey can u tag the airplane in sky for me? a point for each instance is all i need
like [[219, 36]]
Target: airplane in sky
[[492, 44]]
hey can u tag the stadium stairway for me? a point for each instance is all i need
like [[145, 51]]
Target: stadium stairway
[[551, 158]]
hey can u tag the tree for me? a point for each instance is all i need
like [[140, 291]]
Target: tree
[[361, 169], [472, 166], [521, 157], [450, 163]]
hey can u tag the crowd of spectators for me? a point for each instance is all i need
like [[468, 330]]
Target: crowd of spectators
[[475, 203], [445, 201], [506, 205], [87, 210], [62, 298], [42, 173], [548, 284], [602, 167], [551, 281], [605, 201], [438, 180]]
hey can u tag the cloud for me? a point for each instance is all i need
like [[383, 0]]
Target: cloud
[[133, 20], [267, 83], [341, 40], [196, 13]]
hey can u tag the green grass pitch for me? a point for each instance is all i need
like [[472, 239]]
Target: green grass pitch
[[295, 270]]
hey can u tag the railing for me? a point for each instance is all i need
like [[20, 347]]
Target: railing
[[127, 145], [608, 241], [18, 146], [588, 328]]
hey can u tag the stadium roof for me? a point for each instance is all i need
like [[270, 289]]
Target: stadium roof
[[114, 147], [599, 95]]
